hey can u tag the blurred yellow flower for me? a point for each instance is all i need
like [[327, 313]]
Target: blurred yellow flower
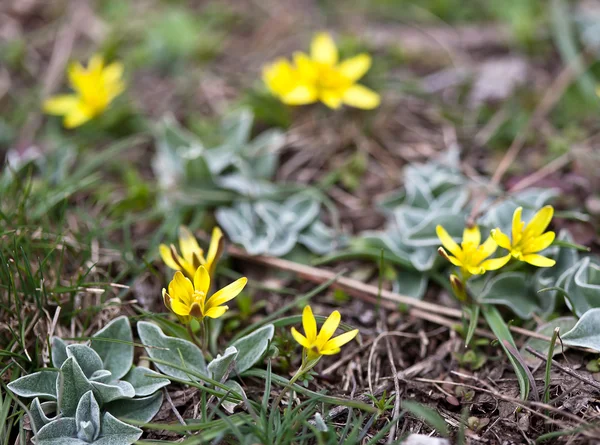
[[189, 300], [95, 88], [528, 239], [192, 255], [320, 77], [471, 256], [315, 345]]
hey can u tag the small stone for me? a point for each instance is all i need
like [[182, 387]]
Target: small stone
[[422, 439]]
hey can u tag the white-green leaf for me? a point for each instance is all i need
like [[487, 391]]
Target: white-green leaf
[[512, 290], [564, 323], [107, 392], [87, 418], [115, 432], [142, 409], [59, 352], [252, 347], [169, 349], [71, 385], [117, 356], [230, 405], [219, 366], [143, 384], [59, 432], [586, 333], [89, 361], [39, 413], [39, 384]]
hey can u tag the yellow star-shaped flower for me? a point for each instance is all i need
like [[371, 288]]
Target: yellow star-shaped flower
[[528, 239], [95, 88], [321, 77]]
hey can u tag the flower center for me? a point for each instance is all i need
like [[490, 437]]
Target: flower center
[[330, 78]]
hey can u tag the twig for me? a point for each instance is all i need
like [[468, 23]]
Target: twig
[[540, 174], [417, 308], [564, 369], [396, 411]]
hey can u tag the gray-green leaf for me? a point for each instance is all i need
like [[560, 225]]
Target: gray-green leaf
[[142, 409], [174, 350], [89, 361], [252, 347], [87, 418], [219, 366], [117, 356], [39, 384], [71, 385], [586, 333], [142, 383], [115, 432]]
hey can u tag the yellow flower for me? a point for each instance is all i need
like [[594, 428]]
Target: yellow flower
[[315, 345], [95, 88], [471, 256], [192, 256], [319, 77], [528, 239], [189, 300]]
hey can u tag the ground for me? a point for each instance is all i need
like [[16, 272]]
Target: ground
[[510, 85]]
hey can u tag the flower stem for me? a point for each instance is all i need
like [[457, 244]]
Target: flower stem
[[306, 366], [193, 336], [204, 327]]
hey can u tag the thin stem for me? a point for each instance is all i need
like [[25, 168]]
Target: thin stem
[[204, 327], [193, 336], [546, 397], [304, 368]]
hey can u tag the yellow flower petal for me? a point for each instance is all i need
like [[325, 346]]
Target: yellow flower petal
[[341, 340], [202, 280], [77, 117], [309, 323], [300, 338], [447, 241], [180, 308], [216, 312], [539, 222], [112, 73], [330, 351], [472, 235], [488, 247], [517, 226], [229, 292], [495, 263], [501, 238], [538, 260], [167, 257], [331, 98], [323, 49], [539, 243], [306, 69], [359, 96], [280, 77], [300, 95], [180, 288], [61, 104], [474, 270], [328, 328], [189, 246], [214, 250], [355, 67]]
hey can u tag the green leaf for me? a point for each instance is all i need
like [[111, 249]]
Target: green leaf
[[62, 431], [230, 405], [145, 381], [87, 418], [512, 290], [169, 349], [117, 355], [428, 415], [564, 323], [38, 413], [39, 384], [219, 366], [107, 392], [59, 352], [586, 333], [142, 409], [252, 347], [71, 385], [87, 359], [582, 284], [115, 432], [412, 283], [500, 330]]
